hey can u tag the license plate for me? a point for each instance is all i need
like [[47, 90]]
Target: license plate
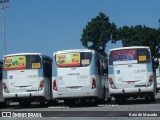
[[74, 88], [130, 82], [23, 87]]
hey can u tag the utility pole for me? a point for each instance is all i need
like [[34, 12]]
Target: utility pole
[[3, 7]]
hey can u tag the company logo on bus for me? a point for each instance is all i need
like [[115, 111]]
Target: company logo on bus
[[139, 71]]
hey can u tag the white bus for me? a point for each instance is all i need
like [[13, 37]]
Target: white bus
[[158, 78], [27, 78], [157, 67], [79, 74], [3, 101], [131, 73]]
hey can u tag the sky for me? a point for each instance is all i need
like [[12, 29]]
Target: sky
[[46, 26]]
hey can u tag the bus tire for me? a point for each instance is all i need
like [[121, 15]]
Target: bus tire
[[152, 98], [120, 100], [117, 100], [42, 104], [95, 102], [69, 102], [83, 101], [52, 102], [23, 103], [109, 99], [147, 99], [6, 103]]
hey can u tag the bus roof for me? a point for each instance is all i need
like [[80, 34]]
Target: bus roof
[[78, 50], [73, 50], [27, 54], [131, 47]]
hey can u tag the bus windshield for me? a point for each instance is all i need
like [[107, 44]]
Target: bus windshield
[[22, 62], [127, 56], [73, 59]]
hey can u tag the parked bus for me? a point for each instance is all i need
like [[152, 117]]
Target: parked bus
[[158, 78], [3, 101], [131, 73], [27, 78], [157, 67], [79, 74]]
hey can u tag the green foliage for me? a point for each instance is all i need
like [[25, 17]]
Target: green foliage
[[140, 36], [98, 32]]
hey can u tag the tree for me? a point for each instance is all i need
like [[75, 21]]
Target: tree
[[98, 32], [140, 36]]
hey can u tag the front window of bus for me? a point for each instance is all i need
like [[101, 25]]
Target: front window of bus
[[73, 59], [127, 56], [21, 62]]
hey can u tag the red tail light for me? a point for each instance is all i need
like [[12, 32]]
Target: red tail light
[[111, 83], [110, 80], [54, 85], [150, 82], [41, 85], [150, 78], [5, 87], [93, 83]]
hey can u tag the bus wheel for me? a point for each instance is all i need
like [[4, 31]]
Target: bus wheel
[[117, 99], [152, 98], [109, 99], [52, 102], [69, 102], [103, 100], [147, 99], [6, 103], [42, 103], [23, 103], [83, 101], [120, 100], [95, 102]]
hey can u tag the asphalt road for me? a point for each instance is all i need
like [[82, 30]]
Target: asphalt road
[[134, 109]]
